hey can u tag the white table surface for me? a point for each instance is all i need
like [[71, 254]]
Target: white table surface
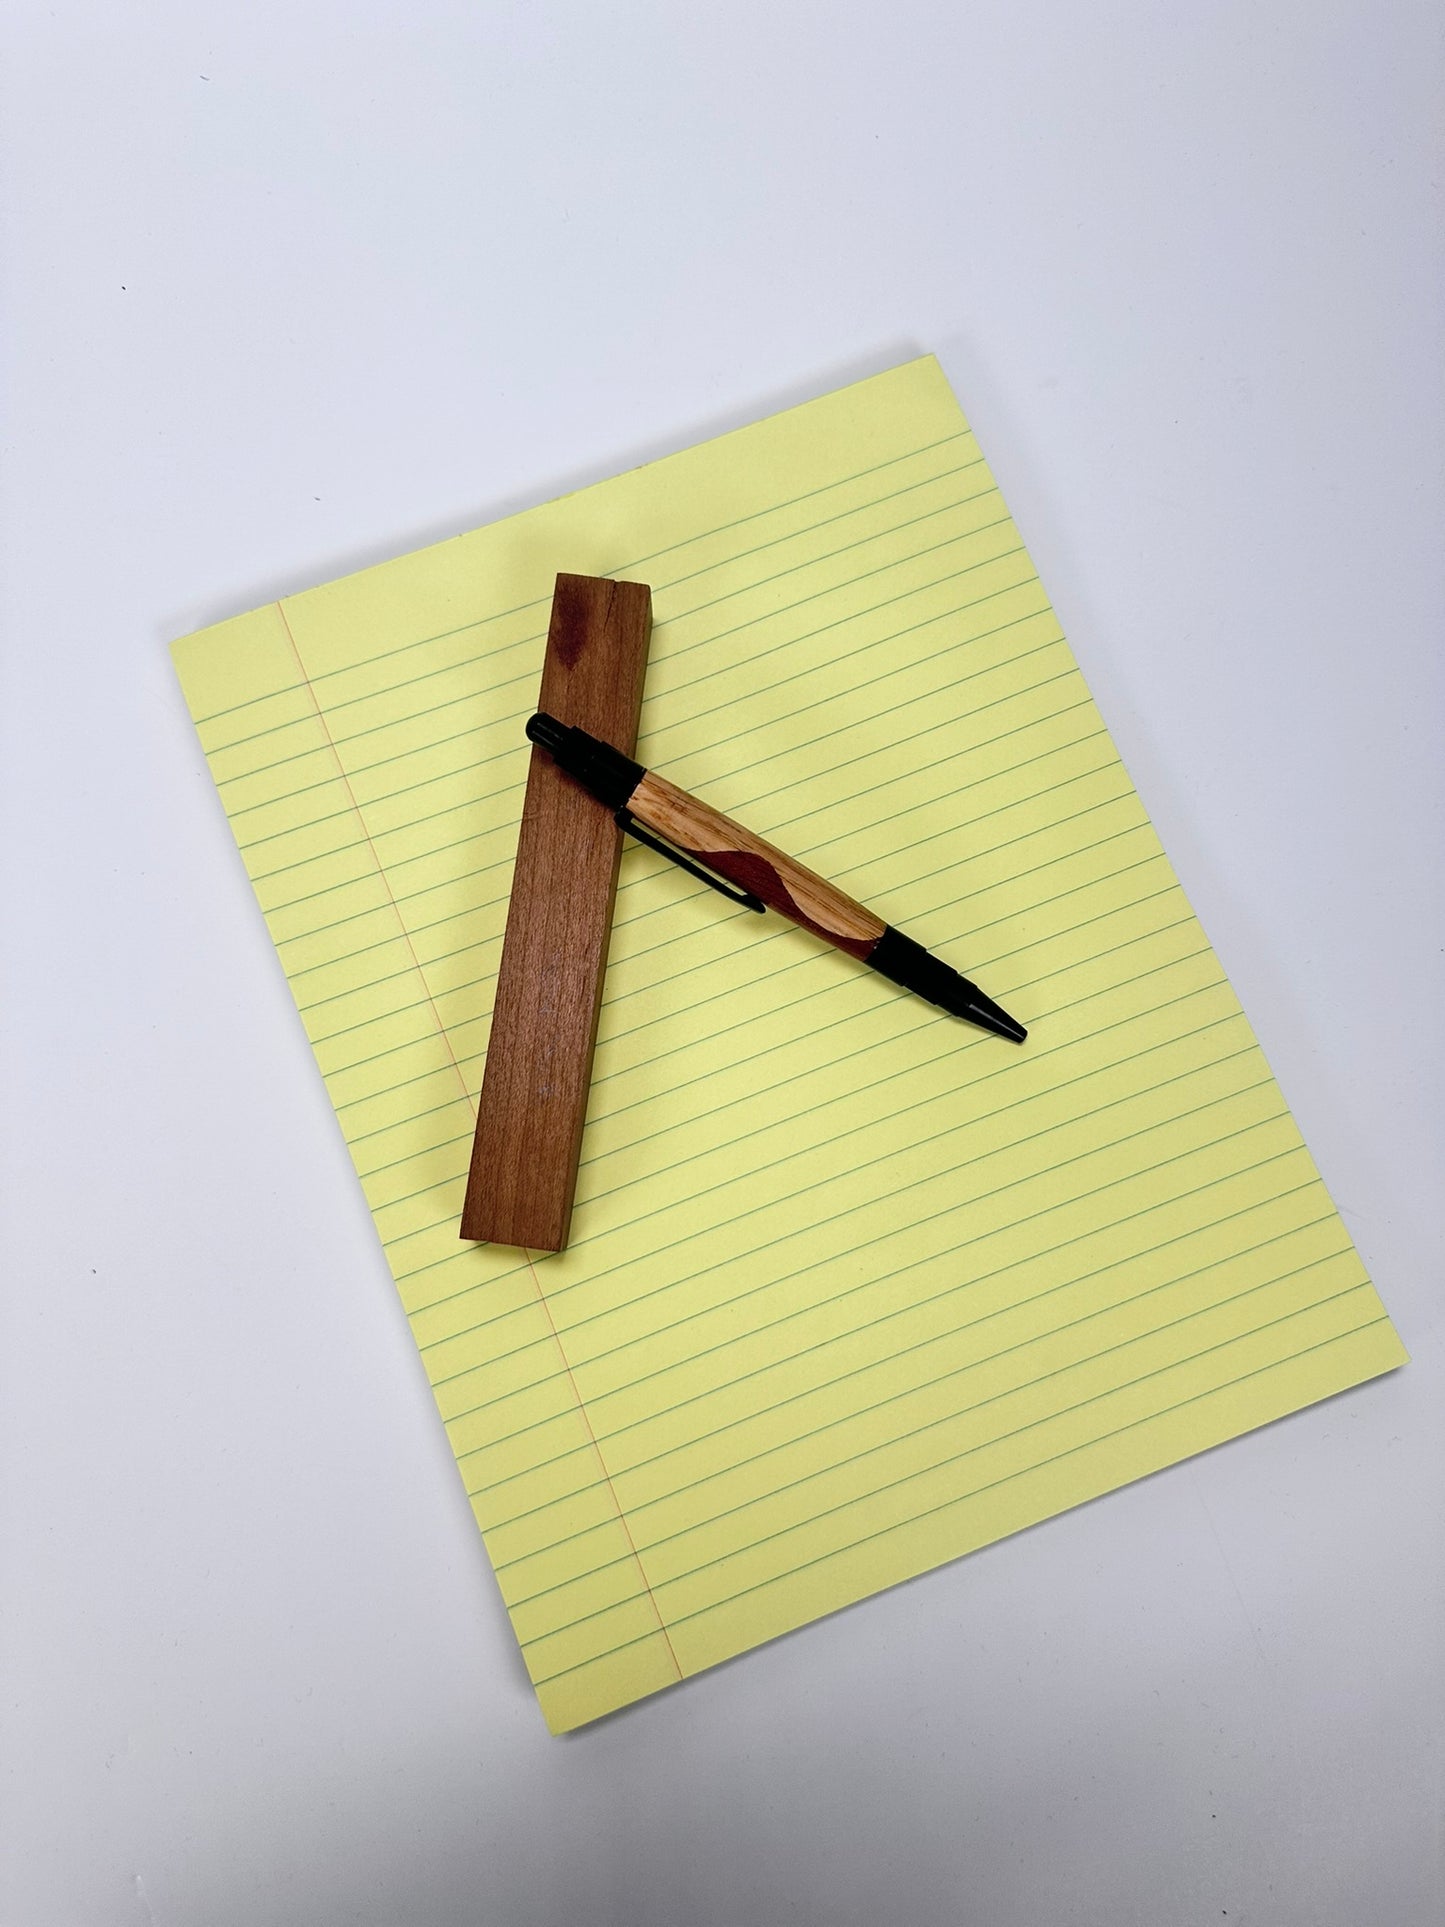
[[293, 287]]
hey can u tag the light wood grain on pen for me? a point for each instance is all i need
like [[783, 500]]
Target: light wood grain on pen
[[781, 882]]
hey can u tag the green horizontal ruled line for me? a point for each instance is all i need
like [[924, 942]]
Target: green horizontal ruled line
[[538, 602], [989, 1358], [963, 1497]]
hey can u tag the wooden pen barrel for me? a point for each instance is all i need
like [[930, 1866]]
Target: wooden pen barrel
[[778, 880]]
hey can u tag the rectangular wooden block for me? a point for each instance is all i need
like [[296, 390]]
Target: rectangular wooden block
[[549, 990]]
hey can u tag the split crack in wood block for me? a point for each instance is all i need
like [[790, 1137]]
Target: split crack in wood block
[[549, 988]]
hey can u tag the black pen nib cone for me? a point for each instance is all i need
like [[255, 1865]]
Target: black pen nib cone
[[905, 962], [984, 1012]]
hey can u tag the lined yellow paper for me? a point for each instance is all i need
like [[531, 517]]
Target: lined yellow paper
[[853, 1287]]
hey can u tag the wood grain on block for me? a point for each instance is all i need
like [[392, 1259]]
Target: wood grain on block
[[779, 880], [544, 1023]]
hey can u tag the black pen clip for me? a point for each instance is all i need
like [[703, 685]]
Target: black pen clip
[[628, 822]]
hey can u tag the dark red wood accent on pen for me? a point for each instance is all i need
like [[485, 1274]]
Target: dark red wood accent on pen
[[781, 882]]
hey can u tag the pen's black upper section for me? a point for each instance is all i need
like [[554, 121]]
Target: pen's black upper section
[[597, 766]]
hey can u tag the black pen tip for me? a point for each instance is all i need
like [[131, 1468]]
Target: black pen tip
[[905, 962], [984, 1012]]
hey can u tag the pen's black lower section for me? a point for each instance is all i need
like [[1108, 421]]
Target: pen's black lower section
[[907, 963]]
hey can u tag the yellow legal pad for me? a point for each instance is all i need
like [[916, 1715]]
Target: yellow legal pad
[[853, 1287]]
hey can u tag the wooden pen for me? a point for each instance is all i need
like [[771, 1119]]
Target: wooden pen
[[710, 845]]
